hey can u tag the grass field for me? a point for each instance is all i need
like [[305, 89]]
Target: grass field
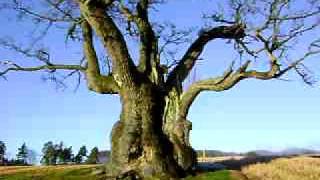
[[219, 175], [297, 168], [83, 172], [79, 172]]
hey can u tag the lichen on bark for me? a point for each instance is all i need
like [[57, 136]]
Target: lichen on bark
[[140, 146]]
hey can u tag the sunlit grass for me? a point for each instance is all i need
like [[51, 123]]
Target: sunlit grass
[[80, 172], [76, 172], [218, 175], [298, 168]]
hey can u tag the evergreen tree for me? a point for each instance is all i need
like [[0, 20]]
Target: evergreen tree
[[93, 157], [66, 155], [22, 155], [2, 151]]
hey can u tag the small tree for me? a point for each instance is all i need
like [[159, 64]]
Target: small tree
[[81, 154], [49, 154], [22, 155], [93, 157], [2, 152]]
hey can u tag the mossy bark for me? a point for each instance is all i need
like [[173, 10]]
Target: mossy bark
[[147, 142], [177, 128]]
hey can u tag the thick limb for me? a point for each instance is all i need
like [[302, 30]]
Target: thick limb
[[185, 65], [104, 84], [123, 68]]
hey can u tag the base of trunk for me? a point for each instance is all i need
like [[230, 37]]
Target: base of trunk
[[140, 172], [133, 160]]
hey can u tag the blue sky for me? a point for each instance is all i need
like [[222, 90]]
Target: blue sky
[[253, 115]]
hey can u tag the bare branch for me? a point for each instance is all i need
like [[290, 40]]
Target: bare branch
[[231, 78], [170, 36], [53, 67], [57, 5], [181, 71], [296, 63], [192, 92], [20, 7]]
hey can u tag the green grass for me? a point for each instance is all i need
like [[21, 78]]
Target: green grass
[[85, 173], [218, 175], [61, 174]]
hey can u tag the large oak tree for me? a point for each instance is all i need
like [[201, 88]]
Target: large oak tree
[[151, 139]]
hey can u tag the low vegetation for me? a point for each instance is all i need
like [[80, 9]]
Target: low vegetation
[[297, 168], [66, 172], [218, 175]]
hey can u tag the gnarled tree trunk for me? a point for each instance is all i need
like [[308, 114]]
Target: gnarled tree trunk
[[148, 141]]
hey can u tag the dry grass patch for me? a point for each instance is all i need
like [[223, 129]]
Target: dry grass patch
[[298, 168]]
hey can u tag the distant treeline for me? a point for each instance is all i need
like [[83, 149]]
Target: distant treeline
[[52, 154]]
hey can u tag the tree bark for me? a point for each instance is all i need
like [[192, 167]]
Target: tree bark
[[148, 142], [177, 128]]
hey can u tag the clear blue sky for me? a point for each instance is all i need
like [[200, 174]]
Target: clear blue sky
[[253, 115]]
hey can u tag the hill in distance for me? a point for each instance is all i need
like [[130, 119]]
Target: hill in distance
[[285, 152]]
